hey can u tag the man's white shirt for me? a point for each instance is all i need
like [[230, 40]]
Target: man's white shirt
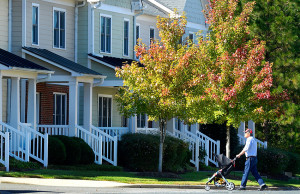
[[250, 147]]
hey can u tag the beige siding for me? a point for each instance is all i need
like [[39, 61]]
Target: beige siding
[[46, 26], [17, 27], [4, 24], [116, 117]]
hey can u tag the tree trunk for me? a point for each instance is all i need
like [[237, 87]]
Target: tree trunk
[[162, 126], [228, 141]]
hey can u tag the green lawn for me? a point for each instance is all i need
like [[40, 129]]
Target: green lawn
[[191, 178]]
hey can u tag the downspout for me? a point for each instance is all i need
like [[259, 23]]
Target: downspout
[[9, 25], [76, 28], [134, 30]]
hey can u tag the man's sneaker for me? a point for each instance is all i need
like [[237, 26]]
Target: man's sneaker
[[241, 188], [263, 187]]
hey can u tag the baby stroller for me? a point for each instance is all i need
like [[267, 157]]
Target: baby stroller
[[218, 177]]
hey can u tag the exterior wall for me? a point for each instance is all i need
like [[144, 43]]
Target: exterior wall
[[116, 117], [82, 49], [193, 9], [117, 33], [46, 100], [119, 3], [104, 70], [145, 23], [46, 26], [4, 24], [17, 27]]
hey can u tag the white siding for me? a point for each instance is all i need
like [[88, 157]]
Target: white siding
[[4, 24]]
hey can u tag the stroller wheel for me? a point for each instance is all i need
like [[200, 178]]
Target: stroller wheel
[[230, 186], [207, 188]]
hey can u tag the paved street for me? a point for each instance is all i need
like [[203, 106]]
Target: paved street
[[6, 188]]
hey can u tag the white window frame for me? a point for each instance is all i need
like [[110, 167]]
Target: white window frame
[[139, 35], [60, 10], [111, 25], [139, 123], [126, 20], [98, 111], [151, 28], [54, 114], [192, 33], [38, 25]]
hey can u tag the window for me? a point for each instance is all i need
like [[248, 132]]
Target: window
[[126, 37], [124, 122], [35, 24], [191, 37], [105, 34], [137, 36], [141, 120], [177, 124], [37, 108], [60, 109], [105, 107], [59, 29], [151, 34]]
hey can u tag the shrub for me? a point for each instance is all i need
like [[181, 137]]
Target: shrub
[[87, 154], [293, 163], [139, 152], [73, 150], [56, 151]]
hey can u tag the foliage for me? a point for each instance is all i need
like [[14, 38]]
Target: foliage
[[57, 151], [87, 154], [277, 22], [86, 167], [17, 165], [139, 152], [73, 150]]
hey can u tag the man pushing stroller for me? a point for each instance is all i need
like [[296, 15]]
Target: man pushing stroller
[[250, 150]]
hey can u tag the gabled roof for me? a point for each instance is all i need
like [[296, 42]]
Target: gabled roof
[[11, 60], [150, 9], [113, 62], [64, 62], [174, 4]]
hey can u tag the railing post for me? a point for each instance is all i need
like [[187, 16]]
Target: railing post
[[115, 150], [7, 151], [197, 154], [265, 144], [100, 149], [218, 147], [46, 150], [207, 151], [27, 144]]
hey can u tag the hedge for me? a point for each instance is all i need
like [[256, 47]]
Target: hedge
[[56, 151], [139, 152]]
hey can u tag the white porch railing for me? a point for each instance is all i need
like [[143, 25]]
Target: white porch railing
[[54, 129], [109, 145], [95, 142], [260, 144], [36, 143], [115, 131], [17, 142], [4, 149]]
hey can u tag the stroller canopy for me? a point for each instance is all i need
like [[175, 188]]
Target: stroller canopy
[[222, 160]]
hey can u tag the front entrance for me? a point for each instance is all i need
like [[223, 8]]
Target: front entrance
[[60, 109], [105, 111]]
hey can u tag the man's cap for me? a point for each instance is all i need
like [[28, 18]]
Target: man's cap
[[249, 131]]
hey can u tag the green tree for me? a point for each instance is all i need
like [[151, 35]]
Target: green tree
[[277, 23], [151, 87], [231, 81]]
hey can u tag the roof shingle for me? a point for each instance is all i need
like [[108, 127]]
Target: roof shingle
[[113, 61]]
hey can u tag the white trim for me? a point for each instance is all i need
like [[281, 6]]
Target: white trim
[[147, 18], [60, 10], [111, 25], [111, 114], [162, 7], [60, 2], [126, 20], [113, 83], [115, 9], [38, 24], [196, 26], [23, 22], [101, 62]]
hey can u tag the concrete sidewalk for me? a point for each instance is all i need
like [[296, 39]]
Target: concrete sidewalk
[[99, 184]]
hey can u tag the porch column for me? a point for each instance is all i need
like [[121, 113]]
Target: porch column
[[87, 106], [73, 95], [15, 102], [251, 125], [31, 110], [23, 100], [1, 93], [132, 124], [241, 128]]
